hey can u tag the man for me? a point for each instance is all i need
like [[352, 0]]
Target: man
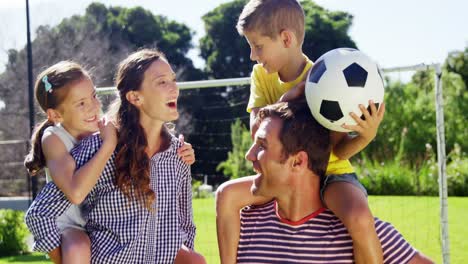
[[290, 153]]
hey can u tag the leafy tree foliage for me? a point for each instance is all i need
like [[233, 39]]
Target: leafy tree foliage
[[325, 30], [457, 62], [227, 54], [99, 39]]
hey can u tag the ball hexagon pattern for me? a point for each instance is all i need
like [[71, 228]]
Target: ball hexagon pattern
[[339, 81]]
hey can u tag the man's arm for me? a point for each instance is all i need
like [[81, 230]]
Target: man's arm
[[231, 197], [419, 258], [394, 246]]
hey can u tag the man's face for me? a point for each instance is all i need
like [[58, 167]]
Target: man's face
[[268, 161]]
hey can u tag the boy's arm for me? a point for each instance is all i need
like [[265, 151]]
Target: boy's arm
[[253, 124], [294, 93], [345, 146], [77, 184], [231, 197]]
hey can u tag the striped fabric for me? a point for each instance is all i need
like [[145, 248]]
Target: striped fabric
[[121, 230], [318, 238]]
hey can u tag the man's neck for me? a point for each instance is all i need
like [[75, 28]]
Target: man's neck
[[300, 202], [293, 68]]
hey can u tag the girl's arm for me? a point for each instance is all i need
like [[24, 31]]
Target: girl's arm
[[231, 197], [76, 185]]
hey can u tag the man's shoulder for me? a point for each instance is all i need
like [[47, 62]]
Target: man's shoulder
[[265, 208]]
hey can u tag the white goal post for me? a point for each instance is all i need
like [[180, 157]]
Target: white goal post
[[441, 156]]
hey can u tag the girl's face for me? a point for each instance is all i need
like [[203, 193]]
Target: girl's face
[[80, 111], [157, 96]]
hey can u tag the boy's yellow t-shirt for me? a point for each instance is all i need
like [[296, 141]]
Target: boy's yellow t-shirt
[[267, 88]]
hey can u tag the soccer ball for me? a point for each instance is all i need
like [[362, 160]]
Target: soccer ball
[[339, 81]]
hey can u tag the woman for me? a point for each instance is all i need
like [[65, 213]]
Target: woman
[[140, 211]]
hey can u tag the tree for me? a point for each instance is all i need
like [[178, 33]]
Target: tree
[[227, 54], [457, 62], [99, 39]]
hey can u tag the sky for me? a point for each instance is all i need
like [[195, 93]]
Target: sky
[[394, 33]]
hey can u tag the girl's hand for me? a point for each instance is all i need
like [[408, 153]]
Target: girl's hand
[[368, 127], [186, 152], [108, 132]]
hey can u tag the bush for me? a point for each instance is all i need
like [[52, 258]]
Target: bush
[[385, 178], [13, 233], [401, 177], [197, 193], [457, 173], [236, 165]]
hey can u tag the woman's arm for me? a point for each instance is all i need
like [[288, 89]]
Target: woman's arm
[[185, 208]]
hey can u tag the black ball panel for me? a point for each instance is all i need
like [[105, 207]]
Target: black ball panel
[[331, 110], [355, 75], [317, 71]]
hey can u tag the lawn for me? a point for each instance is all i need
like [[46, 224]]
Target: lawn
[[417, 218]]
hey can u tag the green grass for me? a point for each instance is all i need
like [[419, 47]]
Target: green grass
[[34, 258], [417, 218]]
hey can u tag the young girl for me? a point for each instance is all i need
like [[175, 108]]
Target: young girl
[[67, 95], [140, 209]]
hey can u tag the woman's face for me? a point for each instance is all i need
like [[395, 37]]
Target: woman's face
[[157, 96]]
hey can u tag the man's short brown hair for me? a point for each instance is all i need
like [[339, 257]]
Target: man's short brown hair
[[300, 132], [270, 17]]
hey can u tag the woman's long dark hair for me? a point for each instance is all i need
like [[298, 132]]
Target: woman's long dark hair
[[132, 162]]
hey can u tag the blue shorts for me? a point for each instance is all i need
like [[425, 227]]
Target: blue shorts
[[347, 177]]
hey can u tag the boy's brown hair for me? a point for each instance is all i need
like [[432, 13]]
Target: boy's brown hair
[[270, 17]]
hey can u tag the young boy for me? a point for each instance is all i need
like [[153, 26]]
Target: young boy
[[274, 30]]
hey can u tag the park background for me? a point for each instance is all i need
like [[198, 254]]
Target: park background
[[399, 168]]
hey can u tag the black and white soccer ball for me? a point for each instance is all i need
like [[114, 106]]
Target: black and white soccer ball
[[339, 81]]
